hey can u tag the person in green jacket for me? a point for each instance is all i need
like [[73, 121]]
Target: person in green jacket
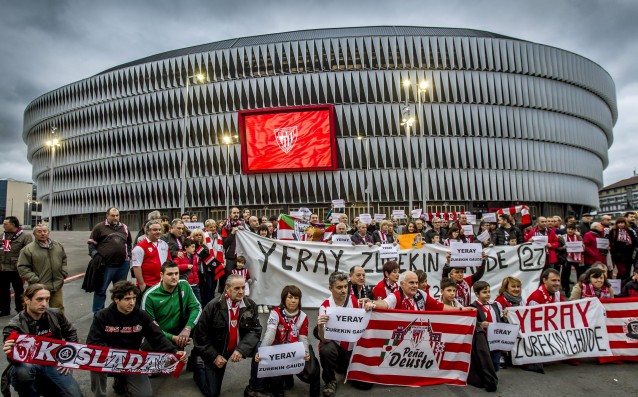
[[176, 317], [44, 262]]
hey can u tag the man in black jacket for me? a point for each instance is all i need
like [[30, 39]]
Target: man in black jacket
[[123, 325], [174, 238], [501, 235], [38, 319], [112, 240], [228, 330]]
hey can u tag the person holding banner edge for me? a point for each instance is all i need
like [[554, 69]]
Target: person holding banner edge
[[410, 297], [38, 319], [288, 324], [107, 329]]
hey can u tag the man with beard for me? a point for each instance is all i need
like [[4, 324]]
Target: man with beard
[[13, 240]]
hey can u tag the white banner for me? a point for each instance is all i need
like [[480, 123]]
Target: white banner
[[285, 359], [466, 254], [559, 331], [540, 241], [194, 225], [398, 214], [502, 336], [379, 217], [341, 239], [602, 243], [365, 218], [574, 246], [468, 230], [334, 217], [416, 214], [388, 250], [276, 263], [489, 217], [346, 324], [483, 237], [339, 203]]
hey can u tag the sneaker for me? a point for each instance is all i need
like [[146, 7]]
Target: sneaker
[[266, 309], [260, 309], [330, 388], [248, 392]]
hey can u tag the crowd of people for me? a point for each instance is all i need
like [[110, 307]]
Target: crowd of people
[[190, 292]]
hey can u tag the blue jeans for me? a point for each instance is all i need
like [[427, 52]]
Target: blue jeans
[[111, 274], [25, 377]]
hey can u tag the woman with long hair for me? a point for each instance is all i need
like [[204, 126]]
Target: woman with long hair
[[592, 284]]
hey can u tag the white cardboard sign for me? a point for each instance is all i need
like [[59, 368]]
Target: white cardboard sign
[[345, 323], [388, 250], [339, 203], [466, 254], [574, 246], [277, 360], [398, 214], [502, 336]]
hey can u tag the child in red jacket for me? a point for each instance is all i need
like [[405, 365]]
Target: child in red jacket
[[189, 265]]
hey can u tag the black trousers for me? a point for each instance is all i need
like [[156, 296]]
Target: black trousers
[[335, 359], [8, 279]]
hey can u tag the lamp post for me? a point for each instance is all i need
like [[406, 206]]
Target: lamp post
[[27, 215], [367, 185], [52, 144], [199, 77], [408, 121], [423, 87], [37, 204], [228, 139]]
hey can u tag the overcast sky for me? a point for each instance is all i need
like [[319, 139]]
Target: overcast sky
[[46, 44]]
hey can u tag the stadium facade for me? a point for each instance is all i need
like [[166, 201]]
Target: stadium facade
[[503, 121]]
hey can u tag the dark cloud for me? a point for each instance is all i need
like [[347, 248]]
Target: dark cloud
[[48, 44]]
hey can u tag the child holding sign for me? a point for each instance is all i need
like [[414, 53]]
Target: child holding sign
[[463, 284], [488, 312]]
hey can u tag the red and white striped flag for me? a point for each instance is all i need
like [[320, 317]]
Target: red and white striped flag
[[622, 327], [406, 348]]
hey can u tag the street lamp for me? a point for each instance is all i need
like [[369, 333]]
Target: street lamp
[[199, 77], [228, 139], [52, 144], [27, 215], [367, 185], [408, 121], [423, 88]]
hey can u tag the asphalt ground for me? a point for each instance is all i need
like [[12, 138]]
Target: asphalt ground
[[587, 379]]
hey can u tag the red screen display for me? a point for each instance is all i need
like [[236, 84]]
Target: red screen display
[[288, 139]]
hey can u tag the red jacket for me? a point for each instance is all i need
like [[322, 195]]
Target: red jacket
[[592, 253], [551, 239], [182, 263]]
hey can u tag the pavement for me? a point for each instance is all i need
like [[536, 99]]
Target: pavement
[[559, 379]]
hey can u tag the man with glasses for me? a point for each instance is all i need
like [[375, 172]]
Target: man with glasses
[[147, 256]]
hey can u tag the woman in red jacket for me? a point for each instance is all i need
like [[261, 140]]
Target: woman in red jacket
[[622, 243]]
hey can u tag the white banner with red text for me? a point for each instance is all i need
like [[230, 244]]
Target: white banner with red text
[[308, 264], [39, 350], [406, 348], [622, 328], [558, 331]]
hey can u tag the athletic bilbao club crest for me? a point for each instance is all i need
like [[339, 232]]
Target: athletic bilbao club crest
[[631, 330], [286, 138], [415, 345]]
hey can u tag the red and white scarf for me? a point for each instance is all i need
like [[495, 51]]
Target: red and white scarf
[[588, 291], [463, 293], [576, 257], [233, 323], [6, 242]]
